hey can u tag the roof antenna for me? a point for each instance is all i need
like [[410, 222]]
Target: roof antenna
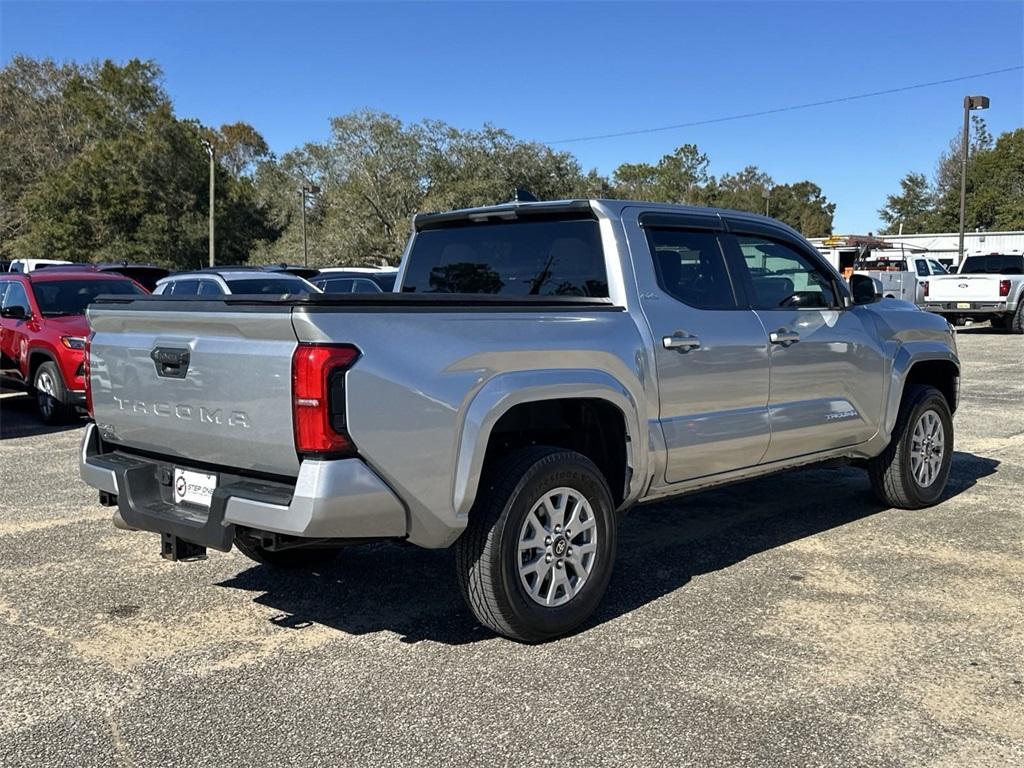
[[523, 195]]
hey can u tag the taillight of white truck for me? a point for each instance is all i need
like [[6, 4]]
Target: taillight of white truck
[[1004, 287], [318, 399]]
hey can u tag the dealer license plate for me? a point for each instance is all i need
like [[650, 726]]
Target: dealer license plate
[[963, 305], [193, 487]]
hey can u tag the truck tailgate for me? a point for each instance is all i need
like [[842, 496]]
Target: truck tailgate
[[964, 288], [211, 387]]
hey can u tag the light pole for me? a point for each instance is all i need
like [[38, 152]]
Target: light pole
[[766, 193], [307, 190], [209, 150], [970, 102]]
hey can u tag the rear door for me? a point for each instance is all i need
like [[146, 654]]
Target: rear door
[[710, 349], [827, 366], [181, 380]]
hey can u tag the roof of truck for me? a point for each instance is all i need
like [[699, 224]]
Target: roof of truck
[[578, 206]]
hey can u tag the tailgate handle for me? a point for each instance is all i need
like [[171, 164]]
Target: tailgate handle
[[171, 362]]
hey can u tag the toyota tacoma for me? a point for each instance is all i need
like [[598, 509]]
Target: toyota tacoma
[[540, 368]]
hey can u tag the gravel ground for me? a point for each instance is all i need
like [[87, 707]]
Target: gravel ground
[[789, 621]]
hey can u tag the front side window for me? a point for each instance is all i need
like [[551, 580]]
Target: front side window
[[71, 297], [522, 258], [937, 268], [784, 278], [183, 288], [15, 296], [275, 286], [691, 267], [209, 288]]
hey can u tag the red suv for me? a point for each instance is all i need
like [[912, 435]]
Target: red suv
[[43, 333]]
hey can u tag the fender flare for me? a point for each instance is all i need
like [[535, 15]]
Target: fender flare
[[505, 391], [909, 354]]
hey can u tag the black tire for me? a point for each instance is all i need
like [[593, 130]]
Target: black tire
[[51, 395], [487, 554], [1016, 323], [891, 475], [291, 559]]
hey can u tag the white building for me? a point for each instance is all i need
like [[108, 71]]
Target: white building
[[842, 250]]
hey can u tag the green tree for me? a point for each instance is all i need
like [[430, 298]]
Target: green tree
[[679, 177], [913, 207]]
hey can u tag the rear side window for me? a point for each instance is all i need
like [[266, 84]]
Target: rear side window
[[994, 264], [691, 267], [784, 278], [522, 258], [922, 269]]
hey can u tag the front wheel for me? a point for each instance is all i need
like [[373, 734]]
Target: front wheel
[[51, 395], [912, 471], [536, 557]]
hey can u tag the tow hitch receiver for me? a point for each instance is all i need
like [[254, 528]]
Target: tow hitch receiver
[[173, 548]]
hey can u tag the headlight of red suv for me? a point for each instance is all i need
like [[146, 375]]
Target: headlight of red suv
[[73, 342]]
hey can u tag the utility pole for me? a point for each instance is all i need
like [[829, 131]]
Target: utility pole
[[311, 189], [209, 151], [970, 102], [766, 193]]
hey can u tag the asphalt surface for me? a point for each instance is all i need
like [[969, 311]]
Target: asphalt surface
[[790, 621]]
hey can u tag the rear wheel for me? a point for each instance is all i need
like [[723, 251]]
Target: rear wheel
[[912, 471], [536, 557], [296, 558], [1016, 322], [51, 394]]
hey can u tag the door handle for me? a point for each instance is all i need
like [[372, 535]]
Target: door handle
[[681, 342], [784, 337]]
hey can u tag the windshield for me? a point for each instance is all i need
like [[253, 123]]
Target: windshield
[[71, 297], [994, 264], [270, 285], [524, 258]]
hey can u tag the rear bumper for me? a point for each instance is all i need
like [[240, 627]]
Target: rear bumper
[[341, 499], [967, 307]]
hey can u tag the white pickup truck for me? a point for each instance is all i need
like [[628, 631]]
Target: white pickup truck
[[988, 286], [903, 278]]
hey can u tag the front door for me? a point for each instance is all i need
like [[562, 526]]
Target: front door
[[827, 366], [711, 351], [12, 330]]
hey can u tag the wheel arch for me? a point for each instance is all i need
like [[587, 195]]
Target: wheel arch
[[931, 364], [36, 357], [522, 402]]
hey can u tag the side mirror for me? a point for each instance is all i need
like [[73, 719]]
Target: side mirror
[[865, 289], [14, 312]]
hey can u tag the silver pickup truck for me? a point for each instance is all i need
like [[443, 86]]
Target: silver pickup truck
[[540, 369]]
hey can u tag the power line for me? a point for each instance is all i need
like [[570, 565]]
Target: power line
[[790, 108]]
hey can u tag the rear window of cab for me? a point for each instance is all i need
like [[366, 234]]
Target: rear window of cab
[[520, 258]]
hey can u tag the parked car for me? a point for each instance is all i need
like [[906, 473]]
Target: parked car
[[25, 266], [356, 280], [210, 283], [43, 334], [146, 275], [988, 286], [904, 278], [544, 368]]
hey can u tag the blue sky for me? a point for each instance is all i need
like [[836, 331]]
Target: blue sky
[[555, 71]]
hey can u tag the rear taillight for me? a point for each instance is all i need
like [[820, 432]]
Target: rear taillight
[[318, 398], [925, 284], [1004, 287], [85, 375]]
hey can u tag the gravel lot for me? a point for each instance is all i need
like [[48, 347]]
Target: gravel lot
[[789, 621]]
